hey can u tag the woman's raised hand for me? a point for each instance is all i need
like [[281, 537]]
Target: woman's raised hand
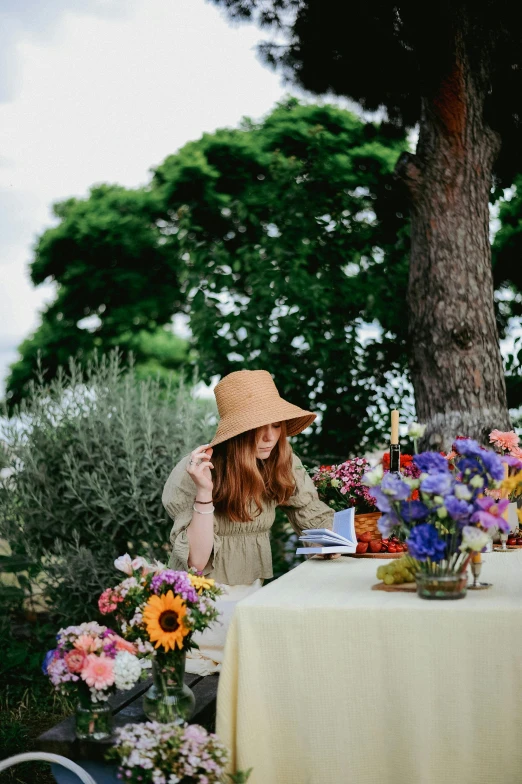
[[199, 467]]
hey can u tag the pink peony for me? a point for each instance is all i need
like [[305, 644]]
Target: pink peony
[[507, 441], [516, 451], [88, 643], [98, 672], [75, 660]]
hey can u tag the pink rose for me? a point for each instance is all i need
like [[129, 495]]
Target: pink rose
[[75, 660]]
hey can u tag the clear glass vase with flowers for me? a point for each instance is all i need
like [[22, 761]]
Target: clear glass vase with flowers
[[158, 610], [507, 445], [452, 517], [91, 662]]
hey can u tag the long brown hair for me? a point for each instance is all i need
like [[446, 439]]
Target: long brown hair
[[240, 478]]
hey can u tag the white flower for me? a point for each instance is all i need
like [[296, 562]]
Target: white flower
[[143, 564], [416, 430], [476, 481], [124, 564], [374, 477], [127, 670], [462, 492], [158, 567], [474, 539]]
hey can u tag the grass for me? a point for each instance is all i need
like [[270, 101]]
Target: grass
[[26, 712], [28, 705]]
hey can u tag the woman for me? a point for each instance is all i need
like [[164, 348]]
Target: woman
[[222, 497]]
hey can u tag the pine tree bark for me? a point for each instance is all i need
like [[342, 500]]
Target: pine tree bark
[[456, 365]]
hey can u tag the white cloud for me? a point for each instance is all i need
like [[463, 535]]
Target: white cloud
[[102, 91]]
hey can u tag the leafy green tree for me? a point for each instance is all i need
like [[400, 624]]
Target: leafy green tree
[[455, 68], [507, 273], [279, 239], [111, 267], [292, 240]]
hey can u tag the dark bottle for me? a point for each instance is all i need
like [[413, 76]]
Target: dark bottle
[[395, 458]]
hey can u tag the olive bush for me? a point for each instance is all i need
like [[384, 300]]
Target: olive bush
[[84, 464]]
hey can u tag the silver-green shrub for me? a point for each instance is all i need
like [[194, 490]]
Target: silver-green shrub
[[85, 461]]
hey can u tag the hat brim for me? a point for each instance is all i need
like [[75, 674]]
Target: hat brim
[[297, 420]]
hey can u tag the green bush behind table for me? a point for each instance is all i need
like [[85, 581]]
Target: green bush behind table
[[86, 460]]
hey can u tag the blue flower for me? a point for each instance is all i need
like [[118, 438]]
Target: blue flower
[[48, 657], [382, 502], [437, 484], [431, 462], [424, 542], [494, 464], [386, 523], [413, 510], [395, 488], [458, 509], [467, 447], [479, 460]]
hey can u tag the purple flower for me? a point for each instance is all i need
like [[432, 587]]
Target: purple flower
[[512, 461], [490, 512], [178, 581], [382, 502], [437, 484], [479, 460], [386, 522], [395, 488], [424, 542], [467, 447], [458, 509], [413, 510], [431, 463]]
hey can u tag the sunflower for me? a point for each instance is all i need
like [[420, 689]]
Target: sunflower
[[163, 617], [201, 583]]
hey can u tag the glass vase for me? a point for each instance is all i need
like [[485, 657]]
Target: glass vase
[[169, 698], [441, 586], [93, 721]]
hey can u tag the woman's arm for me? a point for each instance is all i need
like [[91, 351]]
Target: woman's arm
[[200, 532]]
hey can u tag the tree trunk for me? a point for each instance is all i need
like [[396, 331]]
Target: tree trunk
[[456, 364]]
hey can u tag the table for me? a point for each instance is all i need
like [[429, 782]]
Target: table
[[326, 681]]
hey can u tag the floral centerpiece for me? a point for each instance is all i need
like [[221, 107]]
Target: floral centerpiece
[[341, 486], [92, 662], [452, 516], [155, 753], [159, 610]]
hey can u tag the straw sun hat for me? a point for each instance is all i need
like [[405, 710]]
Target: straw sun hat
[[247, 399]]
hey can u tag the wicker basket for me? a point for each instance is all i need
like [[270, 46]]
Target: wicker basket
[[367, 523]]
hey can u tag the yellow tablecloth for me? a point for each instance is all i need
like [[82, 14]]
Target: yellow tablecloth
[[325, 681]]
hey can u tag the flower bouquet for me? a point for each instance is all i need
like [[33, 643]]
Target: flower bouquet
[[452, 516], [507, 444], [155, 753], [92, 661], [341, 486], [159, 609]]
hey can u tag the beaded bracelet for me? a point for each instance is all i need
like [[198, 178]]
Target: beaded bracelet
[[203, 513]]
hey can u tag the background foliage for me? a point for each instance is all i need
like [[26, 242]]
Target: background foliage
[[88, 458], [277, 240]]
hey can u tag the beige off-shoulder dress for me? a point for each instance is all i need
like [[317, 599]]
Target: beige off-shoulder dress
[[241, 557]]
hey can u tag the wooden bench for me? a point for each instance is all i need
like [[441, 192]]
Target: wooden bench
[[127, 709]]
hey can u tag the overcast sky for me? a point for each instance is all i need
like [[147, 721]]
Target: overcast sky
[[99, 91]]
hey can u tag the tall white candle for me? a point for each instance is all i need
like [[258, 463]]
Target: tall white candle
[[394, 427]]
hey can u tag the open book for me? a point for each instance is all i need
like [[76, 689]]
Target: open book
[[341, 540]]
